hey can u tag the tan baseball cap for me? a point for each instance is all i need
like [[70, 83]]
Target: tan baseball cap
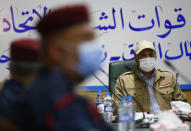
[[144, 45]]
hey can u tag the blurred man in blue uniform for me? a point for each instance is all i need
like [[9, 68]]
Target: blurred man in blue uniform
[[69, 56], [24, 64]]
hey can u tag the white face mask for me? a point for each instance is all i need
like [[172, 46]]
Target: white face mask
[[147, 64]]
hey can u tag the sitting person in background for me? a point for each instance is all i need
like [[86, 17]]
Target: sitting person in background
[[153, 88], [24, 64]]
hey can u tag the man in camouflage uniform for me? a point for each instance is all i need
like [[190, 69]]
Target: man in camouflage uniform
[[153, 88]]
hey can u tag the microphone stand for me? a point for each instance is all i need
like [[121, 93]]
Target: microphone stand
[[169, 64], [176, 89]]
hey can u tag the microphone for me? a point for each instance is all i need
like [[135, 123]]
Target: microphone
[[176, 89], [99, 80], [169, 64], [140, 106]]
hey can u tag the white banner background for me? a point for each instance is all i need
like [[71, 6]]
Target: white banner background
[[115, 22]]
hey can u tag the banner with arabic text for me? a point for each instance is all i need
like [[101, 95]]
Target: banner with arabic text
[[119, 25]]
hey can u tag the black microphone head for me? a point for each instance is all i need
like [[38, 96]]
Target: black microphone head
[[169, 64]]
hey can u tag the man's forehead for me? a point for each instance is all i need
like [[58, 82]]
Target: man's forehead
[[75, 29], [79, 28], [146, 51]]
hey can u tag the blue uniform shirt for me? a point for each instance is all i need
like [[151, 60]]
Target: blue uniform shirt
[[8, 96], [51, 104], [154, 107]]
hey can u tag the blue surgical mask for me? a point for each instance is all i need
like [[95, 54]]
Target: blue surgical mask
[[90, 54]]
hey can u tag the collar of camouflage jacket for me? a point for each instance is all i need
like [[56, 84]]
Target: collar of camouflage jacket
[[158, 75]]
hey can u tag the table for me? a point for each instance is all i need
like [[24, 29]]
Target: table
[[114, 126]]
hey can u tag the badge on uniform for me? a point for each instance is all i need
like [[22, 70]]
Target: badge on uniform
[[165, 85]]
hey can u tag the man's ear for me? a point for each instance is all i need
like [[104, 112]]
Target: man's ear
[[136, 59], [54, 53]]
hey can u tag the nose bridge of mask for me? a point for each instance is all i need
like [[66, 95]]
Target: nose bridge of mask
[[148, 60], [84, 50], [89, 58]]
